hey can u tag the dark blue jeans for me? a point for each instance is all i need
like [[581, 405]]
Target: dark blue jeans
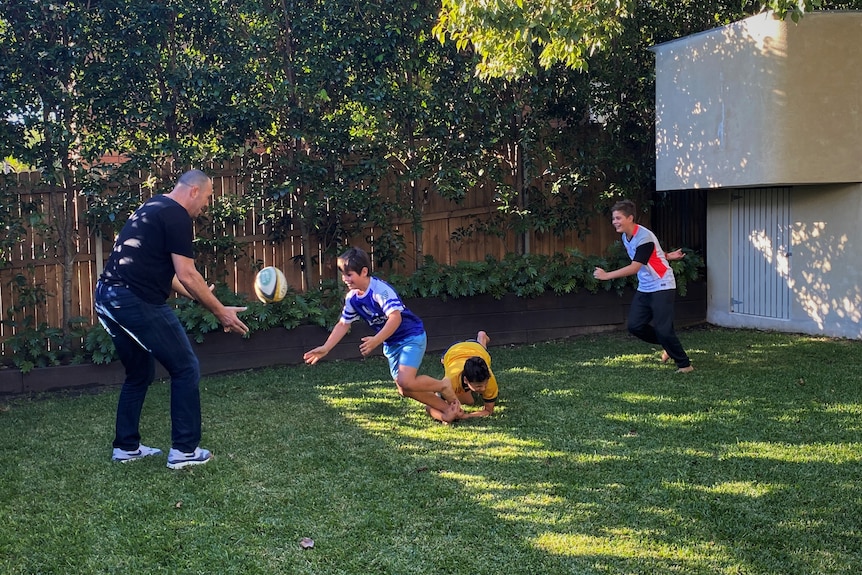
[[651, 319], [143, 333]]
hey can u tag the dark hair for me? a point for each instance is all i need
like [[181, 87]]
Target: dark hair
[[476, 370], [627, 207], [353, 260]]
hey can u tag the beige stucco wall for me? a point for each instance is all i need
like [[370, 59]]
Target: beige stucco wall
[[761, 102], [825, 274]]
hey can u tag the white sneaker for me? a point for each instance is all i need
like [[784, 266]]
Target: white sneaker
[[142, 451], [178, 459]]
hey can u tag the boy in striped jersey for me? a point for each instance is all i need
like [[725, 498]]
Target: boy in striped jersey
[[651, 313], [396, 328]]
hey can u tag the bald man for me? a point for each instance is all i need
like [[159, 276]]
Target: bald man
[[152, 257]]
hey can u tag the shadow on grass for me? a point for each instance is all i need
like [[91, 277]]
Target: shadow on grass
[[621, 465], [598, 460]]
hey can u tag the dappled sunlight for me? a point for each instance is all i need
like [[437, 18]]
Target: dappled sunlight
[[628, 360], [660, 420], [591, 458], [642, 398], [796, 453], [633, 544], [824, 257], [701, 82], [356, 401], [498, 446], [762, 242], [380, 411], [558, 393], [613, 464], [736, 488], [520, 370], [535, 502], [850, 411], [749, 353], [521, 503], [717, 411]]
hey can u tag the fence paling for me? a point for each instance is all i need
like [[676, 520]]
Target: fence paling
[[439, 221]]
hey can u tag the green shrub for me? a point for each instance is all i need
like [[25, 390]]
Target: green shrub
[[522, 275], [530, 275], [45, 346]]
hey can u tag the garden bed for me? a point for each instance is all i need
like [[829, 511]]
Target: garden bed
[[510, 320]]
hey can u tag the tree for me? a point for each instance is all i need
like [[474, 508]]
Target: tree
[[294, 63], [42, 56], [516, 37], [80, 79]]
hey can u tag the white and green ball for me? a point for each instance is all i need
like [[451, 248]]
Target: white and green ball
[[270, 285]]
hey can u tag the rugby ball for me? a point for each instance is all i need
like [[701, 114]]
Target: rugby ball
[[270, 285]]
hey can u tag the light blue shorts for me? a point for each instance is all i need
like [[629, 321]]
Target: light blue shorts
[[408, 352]]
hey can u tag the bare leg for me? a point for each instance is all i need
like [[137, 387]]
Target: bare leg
[[440, 410], [443, 416], [483, 339], [436, 406]]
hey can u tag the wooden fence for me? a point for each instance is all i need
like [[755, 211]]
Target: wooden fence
[[34, 264]]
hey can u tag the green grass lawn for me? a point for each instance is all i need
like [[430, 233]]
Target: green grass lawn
[[598, 460]]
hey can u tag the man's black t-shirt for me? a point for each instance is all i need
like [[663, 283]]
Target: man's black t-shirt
[[141, 258]]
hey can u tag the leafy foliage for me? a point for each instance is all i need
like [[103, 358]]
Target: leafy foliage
[[323, 100], [530, 275], [515, 38], [36, 344], [508, 35], [44, 346], [523, 276], [99, 345], [318, 307]]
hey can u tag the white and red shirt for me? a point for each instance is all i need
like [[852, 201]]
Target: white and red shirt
[[655, 273]]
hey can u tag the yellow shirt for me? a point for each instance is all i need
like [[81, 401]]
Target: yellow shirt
[[453, 364]]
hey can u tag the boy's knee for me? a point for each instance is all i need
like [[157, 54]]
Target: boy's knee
[[403, 381]]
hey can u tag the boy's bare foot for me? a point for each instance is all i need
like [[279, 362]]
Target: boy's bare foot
[[483, 339], [453, 412], [685, 369], [664, 356]]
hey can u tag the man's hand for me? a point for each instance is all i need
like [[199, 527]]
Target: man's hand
[[231, 322]]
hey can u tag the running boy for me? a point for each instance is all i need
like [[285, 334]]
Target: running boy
[[396, 327], [467, 370], [651, 312]]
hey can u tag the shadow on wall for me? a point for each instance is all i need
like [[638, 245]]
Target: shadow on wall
[[708, 88], [823, 255]]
